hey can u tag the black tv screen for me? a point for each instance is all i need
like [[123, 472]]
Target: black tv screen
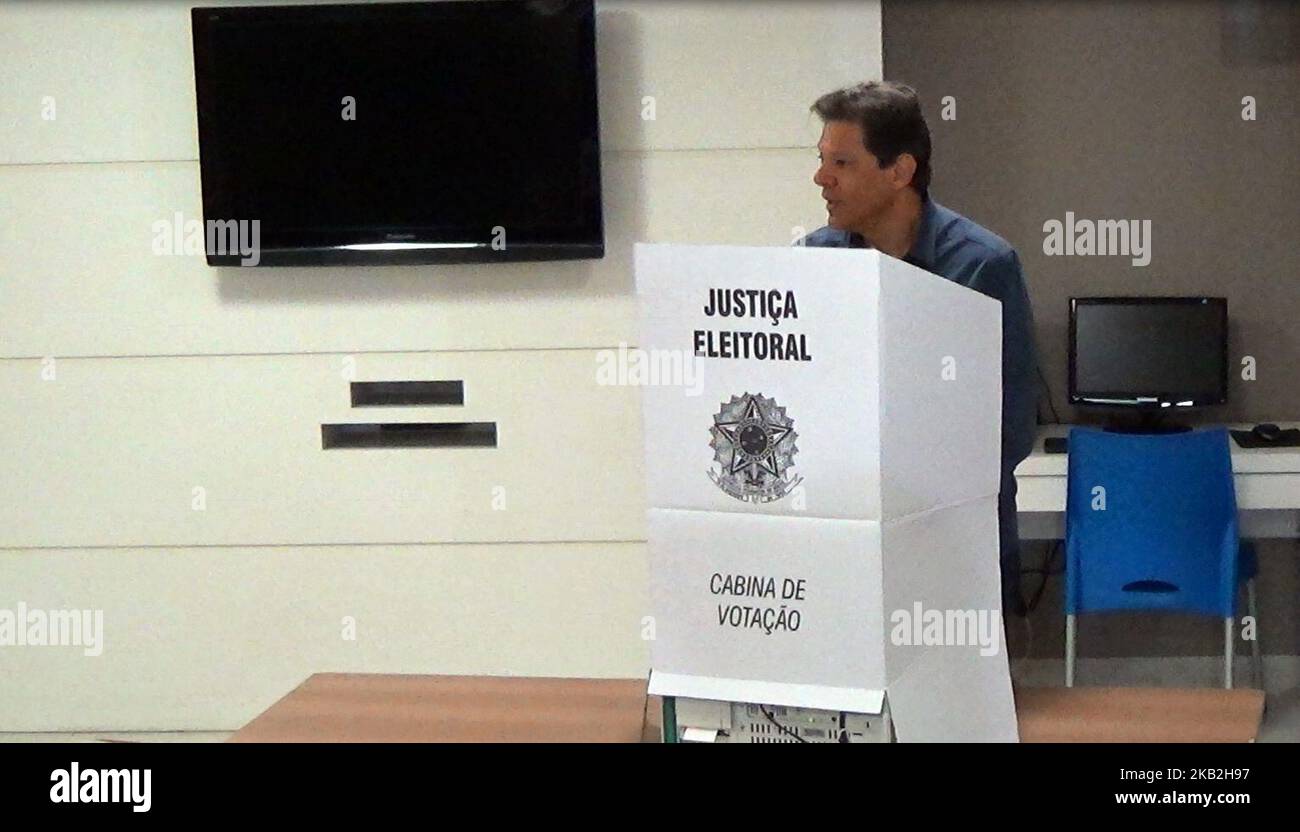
[[1149, 351], [444, 132]]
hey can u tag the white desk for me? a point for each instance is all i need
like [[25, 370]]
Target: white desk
[[1267, 482]]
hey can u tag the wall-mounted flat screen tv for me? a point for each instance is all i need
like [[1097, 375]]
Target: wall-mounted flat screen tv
[[462, 131]]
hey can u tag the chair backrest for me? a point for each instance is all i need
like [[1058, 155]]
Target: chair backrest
[[1151, 523]]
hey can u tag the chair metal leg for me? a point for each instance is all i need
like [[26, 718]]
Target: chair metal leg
[[1227, 652], [1256, 651], [1069, 651]]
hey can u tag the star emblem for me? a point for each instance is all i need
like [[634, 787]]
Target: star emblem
[[754, 437]]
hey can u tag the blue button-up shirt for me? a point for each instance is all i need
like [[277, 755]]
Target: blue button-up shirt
[[952, 246]]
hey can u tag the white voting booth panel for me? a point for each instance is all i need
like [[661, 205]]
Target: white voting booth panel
[[825, 573], [941, 578], [828, 474], [902, 365]]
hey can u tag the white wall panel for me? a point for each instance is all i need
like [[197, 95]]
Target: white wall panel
[[110, 452], [723, 74], [727, 74], [208, 638], [121, 75], [79, 276]]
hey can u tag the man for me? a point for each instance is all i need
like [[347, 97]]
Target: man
[[875, 176]]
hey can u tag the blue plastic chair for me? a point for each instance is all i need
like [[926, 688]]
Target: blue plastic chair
[[1151, 524]]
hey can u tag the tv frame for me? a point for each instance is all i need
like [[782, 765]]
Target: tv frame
[[1157, 400], [391, 248]]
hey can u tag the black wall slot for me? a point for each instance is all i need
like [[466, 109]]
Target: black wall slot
[[410, 435], [382, 393]]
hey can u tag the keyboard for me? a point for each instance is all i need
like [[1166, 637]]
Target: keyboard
[[1290, 438]]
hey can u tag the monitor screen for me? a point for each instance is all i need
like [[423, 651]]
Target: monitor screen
[[404, 132], [1164, 352]]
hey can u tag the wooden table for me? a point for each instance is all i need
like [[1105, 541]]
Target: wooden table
[[1139, 714], [344, 707]]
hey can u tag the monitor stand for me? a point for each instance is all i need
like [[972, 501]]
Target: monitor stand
[[1146, 421]]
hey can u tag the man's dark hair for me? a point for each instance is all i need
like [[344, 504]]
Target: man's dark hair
[[891, 121]]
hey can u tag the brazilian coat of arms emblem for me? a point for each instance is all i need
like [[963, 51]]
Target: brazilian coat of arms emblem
[[753, 449]]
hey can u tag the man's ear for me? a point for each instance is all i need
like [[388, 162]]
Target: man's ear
[[904, 169]]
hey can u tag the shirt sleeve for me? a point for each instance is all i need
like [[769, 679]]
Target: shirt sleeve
[[1002, 278], [824, 237]]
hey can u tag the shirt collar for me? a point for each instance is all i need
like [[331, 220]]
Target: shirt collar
[[922, 252]]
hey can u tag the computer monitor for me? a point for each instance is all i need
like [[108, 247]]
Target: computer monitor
[[1152, 354]]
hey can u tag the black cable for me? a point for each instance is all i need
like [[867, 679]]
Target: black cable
[[1054, 545], [1047, 572], [1056, 419], [779, 726]]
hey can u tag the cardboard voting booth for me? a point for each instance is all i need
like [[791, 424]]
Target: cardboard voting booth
[[822, 461]]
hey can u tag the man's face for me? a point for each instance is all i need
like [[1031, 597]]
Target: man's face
[[856, 188]]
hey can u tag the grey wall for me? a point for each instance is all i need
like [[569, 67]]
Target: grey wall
[[1131, 110]]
